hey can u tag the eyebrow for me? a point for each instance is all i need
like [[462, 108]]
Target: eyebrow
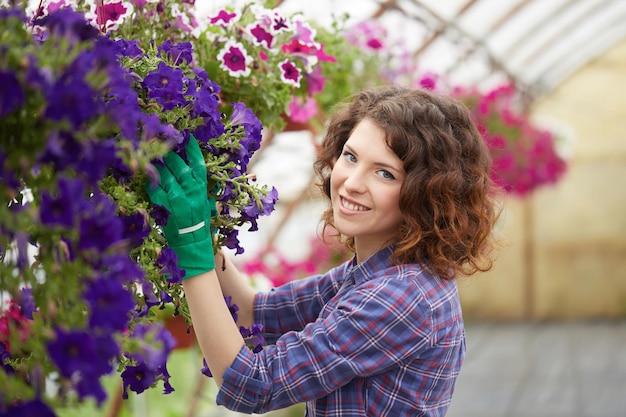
[[379, 164]]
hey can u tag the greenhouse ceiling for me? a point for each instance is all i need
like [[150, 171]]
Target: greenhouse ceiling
[[534, 43]]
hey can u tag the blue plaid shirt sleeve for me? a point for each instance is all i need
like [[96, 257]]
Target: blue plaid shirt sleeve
[[377, 325], [294, 304]]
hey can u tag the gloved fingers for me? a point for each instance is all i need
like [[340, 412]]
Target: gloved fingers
[[178, 169], [213, 207], [214, 187], [157, 195], [164, 181], [196, 160]]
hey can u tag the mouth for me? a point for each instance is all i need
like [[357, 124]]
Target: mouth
[[349, 205]]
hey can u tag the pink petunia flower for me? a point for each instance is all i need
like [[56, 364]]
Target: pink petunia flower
[[110, 15], [315, 81], [260, 35], [302, 111], [234, 59], [224, 18], [290, 73], [303, 32]]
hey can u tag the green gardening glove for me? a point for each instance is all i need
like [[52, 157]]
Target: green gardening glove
[[183, 191]]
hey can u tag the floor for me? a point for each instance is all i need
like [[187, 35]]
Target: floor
[[543, 370]]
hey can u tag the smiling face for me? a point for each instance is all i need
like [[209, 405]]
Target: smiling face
[[365, 190]]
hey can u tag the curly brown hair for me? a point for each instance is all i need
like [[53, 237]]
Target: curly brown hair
[[448, 200]]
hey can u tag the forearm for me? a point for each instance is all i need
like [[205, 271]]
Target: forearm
[[216, 332], [237, 286]]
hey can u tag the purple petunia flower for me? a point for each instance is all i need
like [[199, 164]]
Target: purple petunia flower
[[160, 214], [128, 48], [234, 59], [11, 93], [253, 336], [150, 299], [212, 128], [165, 85], [178, 53], [100, 228], [123, 110], [110, 304], [68, 24], [59, 210], [4, 356], [151, 126], [169, 261], [27, 303], [256, 340], [17, 12], [72, 351], [8, 176], [103, 56], [120, 171], [243, 115], [35, 407], [265, 205], [95, 159], [21, 245], [205, 369], [107, 349], [89, 386], [62, 150], [205, 102], [231, 241], [155, 344], [136, 229], [254, 133], [83, 358], [244, 332], [167, 387], [122, 268], [71, 98], [232, 307], [137, 378]]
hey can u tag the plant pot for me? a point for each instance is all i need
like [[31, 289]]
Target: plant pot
[[182, 332]]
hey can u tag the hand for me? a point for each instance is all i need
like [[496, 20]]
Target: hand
[[183, 191]]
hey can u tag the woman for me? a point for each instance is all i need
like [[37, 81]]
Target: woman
[[406, 174]]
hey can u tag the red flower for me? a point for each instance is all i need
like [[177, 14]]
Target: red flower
[[12, 320]]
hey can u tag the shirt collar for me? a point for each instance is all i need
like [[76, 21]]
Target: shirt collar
[[368, 269]]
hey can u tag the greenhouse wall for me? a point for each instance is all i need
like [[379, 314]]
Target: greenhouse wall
[[565, 256]]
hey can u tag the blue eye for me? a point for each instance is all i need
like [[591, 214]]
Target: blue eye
[[386, 175], [349, 157]]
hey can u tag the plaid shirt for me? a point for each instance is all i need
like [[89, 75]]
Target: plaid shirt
[[372, 339]]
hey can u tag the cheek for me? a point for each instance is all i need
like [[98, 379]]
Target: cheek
[[335, 175], [392, 200]]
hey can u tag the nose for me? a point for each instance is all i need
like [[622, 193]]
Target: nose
[[354, 181]]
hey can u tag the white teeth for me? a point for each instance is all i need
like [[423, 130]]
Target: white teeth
[[352, 207]]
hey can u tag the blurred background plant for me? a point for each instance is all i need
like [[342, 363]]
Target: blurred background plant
[[525, 155]]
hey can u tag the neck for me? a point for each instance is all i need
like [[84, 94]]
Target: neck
[[363, 250]]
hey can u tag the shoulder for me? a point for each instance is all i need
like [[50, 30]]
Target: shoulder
[[411, 286]]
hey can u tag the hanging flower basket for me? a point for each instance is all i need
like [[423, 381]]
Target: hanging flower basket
[[525, 156]]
